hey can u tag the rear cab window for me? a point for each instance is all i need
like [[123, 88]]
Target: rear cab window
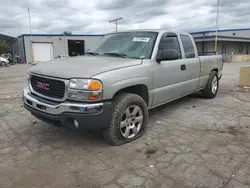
[[167, 43], [188, 46]]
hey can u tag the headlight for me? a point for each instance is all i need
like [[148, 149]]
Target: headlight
[[85, 89], [85, 84]]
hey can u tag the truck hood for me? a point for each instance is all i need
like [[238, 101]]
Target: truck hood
[[82, 66]]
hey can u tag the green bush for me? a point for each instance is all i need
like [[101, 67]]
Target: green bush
[[4, 48]]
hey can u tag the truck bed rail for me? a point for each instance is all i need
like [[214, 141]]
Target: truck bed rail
[[206, 53]]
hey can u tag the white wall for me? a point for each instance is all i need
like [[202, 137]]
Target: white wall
[[230, 47], [58, 43], [234, 47]]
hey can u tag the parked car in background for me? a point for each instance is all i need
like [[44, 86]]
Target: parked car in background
[[4, 61], [114, 85]]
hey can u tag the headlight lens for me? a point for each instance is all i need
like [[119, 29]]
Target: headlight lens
[[85, 89], [85, 84]]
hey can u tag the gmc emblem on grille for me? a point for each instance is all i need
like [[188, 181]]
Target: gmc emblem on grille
[[42, 85]]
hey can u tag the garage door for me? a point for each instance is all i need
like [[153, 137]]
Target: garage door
[[42, 51]]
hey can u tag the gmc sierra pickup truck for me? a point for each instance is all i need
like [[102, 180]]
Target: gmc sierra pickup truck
[[112, 87]]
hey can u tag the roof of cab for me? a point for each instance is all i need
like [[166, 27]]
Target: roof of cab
[[150, 30]]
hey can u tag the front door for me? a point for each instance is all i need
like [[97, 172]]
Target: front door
[[169, 76]]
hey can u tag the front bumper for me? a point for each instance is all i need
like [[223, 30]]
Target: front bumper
[[89, 116]]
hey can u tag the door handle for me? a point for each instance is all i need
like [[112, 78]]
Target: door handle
[[183, 67]]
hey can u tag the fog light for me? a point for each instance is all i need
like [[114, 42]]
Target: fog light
[[75, 123], [93, 97]]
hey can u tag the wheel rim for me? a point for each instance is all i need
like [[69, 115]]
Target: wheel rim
[[131, 121], [214, 84]]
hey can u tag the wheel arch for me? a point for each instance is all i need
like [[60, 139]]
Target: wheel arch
[[215, 69], [138, 89]]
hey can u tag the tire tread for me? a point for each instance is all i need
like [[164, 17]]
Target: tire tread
[[120, 102], [207, 92]]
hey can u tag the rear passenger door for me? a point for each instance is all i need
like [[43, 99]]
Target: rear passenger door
[[192, 63], [169, 77]]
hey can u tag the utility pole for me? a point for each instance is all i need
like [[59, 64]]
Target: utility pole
[[217, 25], [116, 23], [64, 38], [32, 56], [29, 23], [20, 30], [66, 33]]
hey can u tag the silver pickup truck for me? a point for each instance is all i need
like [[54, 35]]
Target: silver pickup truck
[[112, 87]]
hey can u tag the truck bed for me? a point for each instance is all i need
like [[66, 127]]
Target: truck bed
[[208, 63]]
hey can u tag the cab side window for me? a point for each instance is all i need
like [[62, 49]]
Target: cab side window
[[169, 43], [188, 46]]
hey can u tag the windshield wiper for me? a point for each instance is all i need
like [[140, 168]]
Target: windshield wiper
[[92, 53], [116, 54]]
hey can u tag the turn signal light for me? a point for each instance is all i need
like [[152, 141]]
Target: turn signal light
[[95, 85]]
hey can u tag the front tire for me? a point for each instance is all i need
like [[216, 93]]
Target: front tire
[[128, 121], [212, 87], [3, 63]]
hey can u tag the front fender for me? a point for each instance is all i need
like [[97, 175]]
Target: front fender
[[118, 79], [121, 84]]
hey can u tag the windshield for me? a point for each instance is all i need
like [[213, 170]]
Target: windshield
[[127, 44]]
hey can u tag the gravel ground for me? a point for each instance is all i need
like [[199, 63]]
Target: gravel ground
[[191, 142]]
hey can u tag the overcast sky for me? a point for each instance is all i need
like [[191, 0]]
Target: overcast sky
[[92, 16]]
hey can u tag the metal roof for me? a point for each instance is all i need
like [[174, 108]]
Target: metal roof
[[61, 35], [222, 36], [99, 35], [220, 30], [149, 30]]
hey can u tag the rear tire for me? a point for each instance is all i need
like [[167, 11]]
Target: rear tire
[[128, 121], [212, 87]]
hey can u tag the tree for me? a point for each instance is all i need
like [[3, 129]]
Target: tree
[[4, 48]]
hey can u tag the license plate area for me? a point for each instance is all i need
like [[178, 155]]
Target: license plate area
[[41, 107]]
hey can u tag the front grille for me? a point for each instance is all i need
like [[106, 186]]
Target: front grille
[[54, 88]]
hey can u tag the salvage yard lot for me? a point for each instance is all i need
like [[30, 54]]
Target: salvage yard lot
[[191, 142]]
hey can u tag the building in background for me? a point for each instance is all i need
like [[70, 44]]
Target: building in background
[[230, 41], [44, 47]]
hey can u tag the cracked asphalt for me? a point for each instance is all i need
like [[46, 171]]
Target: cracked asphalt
[[191, 142]]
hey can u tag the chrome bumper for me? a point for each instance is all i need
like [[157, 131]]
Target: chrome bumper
[[58, 109]]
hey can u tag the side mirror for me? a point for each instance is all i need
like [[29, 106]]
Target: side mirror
[[167, 54]]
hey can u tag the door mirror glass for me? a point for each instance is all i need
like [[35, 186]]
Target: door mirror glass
[[167, 54]]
